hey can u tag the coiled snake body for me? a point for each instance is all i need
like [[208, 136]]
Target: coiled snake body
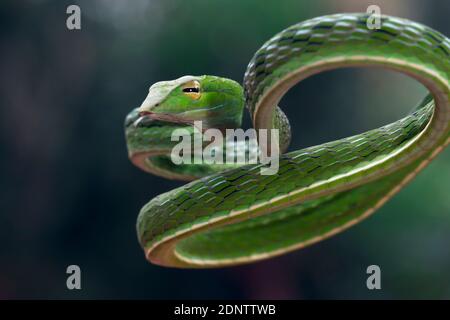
[[233, 216]]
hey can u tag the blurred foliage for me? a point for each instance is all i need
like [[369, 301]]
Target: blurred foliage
[[69, 195]]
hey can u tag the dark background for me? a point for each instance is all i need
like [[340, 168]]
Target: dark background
[[69, 195]]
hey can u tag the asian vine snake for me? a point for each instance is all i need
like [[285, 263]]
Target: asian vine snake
[[238, 215]]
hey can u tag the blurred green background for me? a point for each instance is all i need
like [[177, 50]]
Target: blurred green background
[[69, 195]]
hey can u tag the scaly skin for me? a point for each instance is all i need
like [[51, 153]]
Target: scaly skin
[[238, 215]]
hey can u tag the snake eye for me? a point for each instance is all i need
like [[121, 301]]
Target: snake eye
[[192, 89]]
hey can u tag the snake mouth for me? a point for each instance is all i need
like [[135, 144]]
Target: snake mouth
[[164, 117]]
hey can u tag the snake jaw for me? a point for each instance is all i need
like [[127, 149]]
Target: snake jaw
[[147, 110], [164, 117]]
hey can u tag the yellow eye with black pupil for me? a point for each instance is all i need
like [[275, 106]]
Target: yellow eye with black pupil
[[192, 89]]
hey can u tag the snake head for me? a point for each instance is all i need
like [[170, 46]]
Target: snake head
[[217, 102]]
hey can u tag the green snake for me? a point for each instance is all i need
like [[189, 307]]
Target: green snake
[[231, 215]]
